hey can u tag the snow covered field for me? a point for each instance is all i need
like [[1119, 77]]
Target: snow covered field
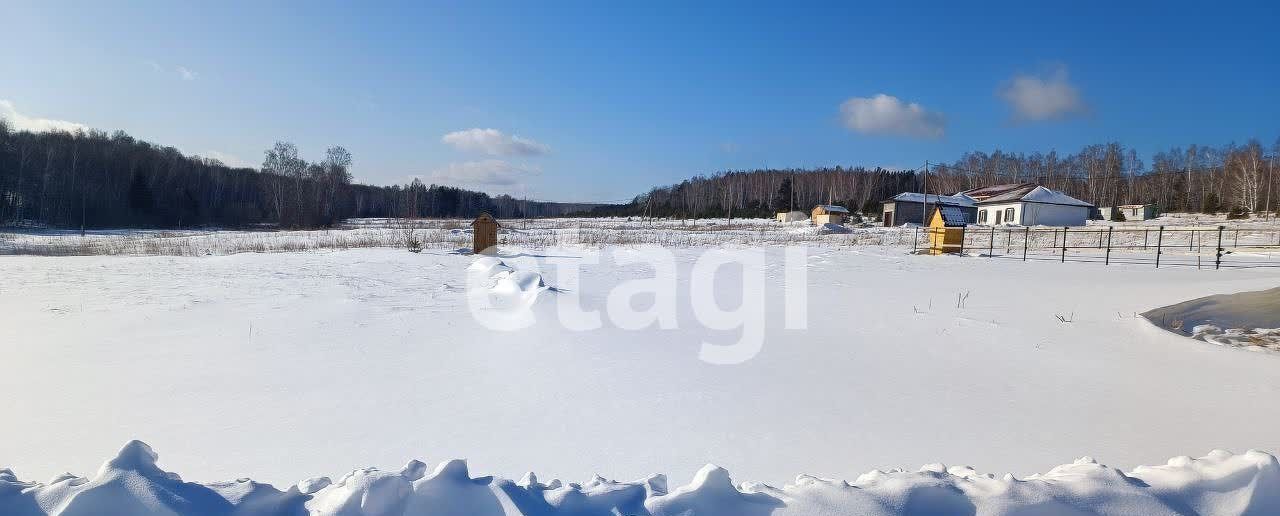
[[286, 365], [539, 233], [283, 366]]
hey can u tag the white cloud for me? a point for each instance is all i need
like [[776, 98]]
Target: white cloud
[[494, 143], [489, 175], [186, 73], [21, 122], [155, 67], [1043, 97], [886, 114]]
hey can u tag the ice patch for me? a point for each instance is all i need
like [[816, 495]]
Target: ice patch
[[1246, 320]]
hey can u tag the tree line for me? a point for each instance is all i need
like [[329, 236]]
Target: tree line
[[89, 179], [1198, 178]]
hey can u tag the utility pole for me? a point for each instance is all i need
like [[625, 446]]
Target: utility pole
[[924, 208], [1270, 178]]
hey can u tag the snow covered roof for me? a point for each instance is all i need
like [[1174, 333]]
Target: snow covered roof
[[952, 200], [953, 216], [1047, 196], [831, 208], [1022, 192], [1009, 191]]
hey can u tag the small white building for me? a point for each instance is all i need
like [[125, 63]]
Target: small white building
[[1026, 204], [1130, 211], [792, 216]]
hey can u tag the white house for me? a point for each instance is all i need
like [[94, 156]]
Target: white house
[[1027, 204]]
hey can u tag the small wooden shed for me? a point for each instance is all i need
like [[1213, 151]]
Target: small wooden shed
[[484, 233], [829, 214], [946, 230], [791, 216]]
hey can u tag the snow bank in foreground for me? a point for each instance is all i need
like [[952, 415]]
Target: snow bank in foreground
[[131, 483]]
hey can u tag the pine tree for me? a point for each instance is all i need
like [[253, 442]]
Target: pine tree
[[782, 199]]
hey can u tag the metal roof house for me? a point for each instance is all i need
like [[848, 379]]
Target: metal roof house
[[1027, 204], [908, 207]]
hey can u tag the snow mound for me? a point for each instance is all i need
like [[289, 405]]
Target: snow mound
[[1221, 483], [488, 266], [506, 285]]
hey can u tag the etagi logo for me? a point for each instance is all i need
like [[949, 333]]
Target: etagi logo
[[501, 291]]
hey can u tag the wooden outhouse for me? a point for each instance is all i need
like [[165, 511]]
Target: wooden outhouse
[[484, 233], [946, 230]]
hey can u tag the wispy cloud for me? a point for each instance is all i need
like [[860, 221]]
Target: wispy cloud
[[887, 115], [494, 143], [488, 175], [182, 72], [22, 122], [1047, 96]]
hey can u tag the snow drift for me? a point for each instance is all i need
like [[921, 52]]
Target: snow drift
[[132, 483]]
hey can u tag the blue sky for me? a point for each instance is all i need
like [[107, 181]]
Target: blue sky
[[599, 101]]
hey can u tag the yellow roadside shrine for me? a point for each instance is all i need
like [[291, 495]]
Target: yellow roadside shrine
[[946, 230]]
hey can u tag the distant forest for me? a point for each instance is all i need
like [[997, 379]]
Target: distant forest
[[1240, 178], [92, 180]]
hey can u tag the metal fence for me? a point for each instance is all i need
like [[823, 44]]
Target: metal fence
[[1201, 247]]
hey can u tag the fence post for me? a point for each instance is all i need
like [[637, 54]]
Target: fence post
[[1064, 243], [1217, 262], [1108, 259], [991, 245], [1146, 236], [1100, 238], [1026, 237], [1159, 239], [915, 240]]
